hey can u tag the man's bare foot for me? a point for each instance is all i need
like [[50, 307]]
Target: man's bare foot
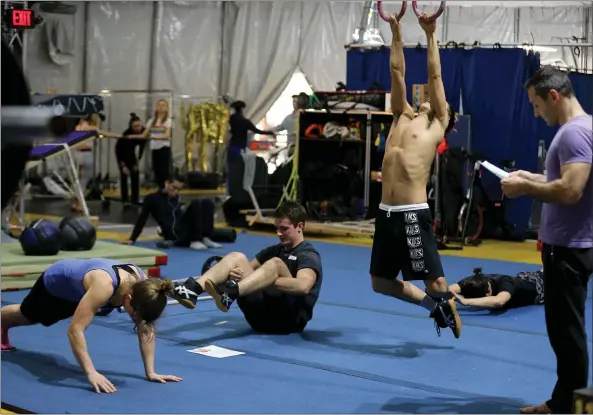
[[542, 408]]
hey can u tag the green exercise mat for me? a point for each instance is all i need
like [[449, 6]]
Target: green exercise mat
[[15, 263]]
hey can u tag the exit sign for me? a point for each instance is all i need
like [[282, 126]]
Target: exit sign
[[20, 19]]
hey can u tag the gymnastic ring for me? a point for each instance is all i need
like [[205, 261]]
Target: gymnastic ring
[[209, 263], [433, 16], [386, 17]]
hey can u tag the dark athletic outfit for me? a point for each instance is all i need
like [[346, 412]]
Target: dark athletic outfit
[[286, 313], [266, 313], [526, 288], [58, 291], [404, 242], [566, 232], [125, 153], [181, 226]]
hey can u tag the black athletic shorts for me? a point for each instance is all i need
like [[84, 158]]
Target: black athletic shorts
[[404, 242], [39, 306], [272, 314]]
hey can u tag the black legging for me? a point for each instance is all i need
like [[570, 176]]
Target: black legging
[[161, 164], [134, 178], [196, 223]]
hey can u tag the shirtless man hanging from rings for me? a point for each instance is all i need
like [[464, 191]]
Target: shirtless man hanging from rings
[[404, 240]]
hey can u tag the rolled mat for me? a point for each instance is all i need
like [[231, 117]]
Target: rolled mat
[[223, 235]]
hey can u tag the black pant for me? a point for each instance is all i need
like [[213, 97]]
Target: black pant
[[272, 315], [161, 165], [134, 178], [566, 274], [196, 223], [39, 306]]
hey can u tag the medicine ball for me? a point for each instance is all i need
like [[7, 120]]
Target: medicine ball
[[41, 237], [209, 263], [78, 234]]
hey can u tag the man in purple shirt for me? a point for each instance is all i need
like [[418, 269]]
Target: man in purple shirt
[[566, 229]]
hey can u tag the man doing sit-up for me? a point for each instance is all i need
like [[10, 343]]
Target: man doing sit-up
[[277, 290], [404, 239]]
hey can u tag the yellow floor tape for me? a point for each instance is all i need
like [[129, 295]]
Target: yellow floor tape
[[115, 193], [524, 252], [4, 411]]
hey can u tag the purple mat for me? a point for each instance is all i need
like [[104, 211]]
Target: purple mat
[[72, 138]]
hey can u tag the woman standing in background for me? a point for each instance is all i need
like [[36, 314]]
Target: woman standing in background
[[125, 153], [158, 129]]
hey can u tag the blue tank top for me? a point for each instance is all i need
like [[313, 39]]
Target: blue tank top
[[64, 279]]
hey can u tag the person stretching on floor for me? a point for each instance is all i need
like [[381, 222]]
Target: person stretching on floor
[[404, 239], [183, 225], [277, 290], [500, 291], [77, 288]]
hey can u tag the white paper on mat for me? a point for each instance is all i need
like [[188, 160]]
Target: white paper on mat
[[215, 351], [498, 172]]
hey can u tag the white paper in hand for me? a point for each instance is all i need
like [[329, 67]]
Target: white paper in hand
[[215, 351], [498, 172]]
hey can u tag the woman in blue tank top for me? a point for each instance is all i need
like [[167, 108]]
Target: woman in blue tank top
[[78, 288]]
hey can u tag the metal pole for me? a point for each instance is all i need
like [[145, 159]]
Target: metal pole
[[517, 25], [445, 33], [152, 52], [172, 103], [132, 91], [586, 34], [482, 45], [151, 63], [367, 163], [85, 38], [24, 50], [222, 54]]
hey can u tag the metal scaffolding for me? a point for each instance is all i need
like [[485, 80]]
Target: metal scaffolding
[[454, 45]]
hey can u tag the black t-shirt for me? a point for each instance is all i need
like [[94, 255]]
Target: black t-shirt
[[125, 149], [522, 291], [166, 212], [300, 257], [240, 126]]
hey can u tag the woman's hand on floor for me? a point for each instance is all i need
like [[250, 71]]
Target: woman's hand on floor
[[100, 383], [153, 377]]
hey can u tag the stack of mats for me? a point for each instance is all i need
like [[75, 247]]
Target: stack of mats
[[20, 271]]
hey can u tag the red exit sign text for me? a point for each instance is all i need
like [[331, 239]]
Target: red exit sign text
[[21, 18]]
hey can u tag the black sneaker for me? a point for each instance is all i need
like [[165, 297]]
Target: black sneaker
[[186, 294], [445, 315], [221, 295]]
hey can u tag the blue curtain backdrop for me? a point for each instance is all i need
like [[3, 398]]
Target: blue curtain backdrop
[[490, 82], [363, 68], [503, 126]]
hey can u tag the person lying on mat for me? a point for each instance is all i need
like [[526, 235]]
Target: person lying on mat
[[500, 291], [77, 288], [183, 225], [277, 290]]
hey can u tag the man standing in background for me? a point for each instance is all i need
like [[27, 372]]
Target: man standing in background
[[566, 231], [289, 124]]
